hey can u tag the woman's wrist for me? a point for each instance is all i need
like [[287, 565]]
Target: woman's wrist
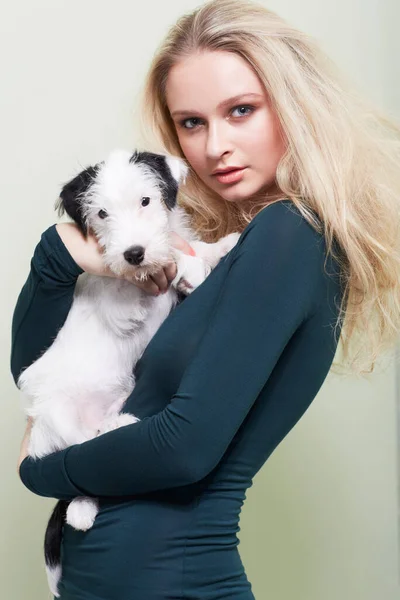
[[73, 240], [86, 252]]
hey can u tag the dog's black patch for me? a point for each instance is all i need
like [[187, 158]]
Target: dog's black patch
[[53, 535], [71, 196], [181, 296], [158, 164]]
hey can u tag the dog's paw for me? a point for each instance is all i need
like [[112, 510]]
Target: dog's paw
[[186, 287], [81, 513], [116, 421], [192, 271]]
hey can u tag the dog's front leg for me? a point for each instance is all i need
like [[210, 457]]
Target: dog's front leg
[[191, 272], [212, 253]]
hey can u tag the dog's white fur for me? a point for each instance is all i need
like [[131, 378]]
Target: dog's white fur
[[78, 387]]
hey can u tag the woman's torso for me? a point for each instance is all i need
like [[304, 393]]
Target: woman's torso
[[182, 543]]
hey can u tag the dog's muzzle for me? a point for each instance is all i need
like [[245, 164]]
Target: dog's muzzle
[[134, 255]]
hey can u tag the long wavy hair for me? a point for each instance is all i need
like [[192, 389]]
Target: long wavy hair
[[341, 168]]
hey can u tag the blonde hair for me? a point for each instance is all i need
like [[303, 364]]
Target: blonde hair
[[342, 163]]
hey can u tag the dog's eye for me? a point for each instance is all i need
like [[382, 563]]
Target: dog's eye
[[102, 214], [145, 201]]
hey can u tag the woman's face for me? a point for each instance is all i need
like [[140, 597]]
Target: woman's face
[[223, 119]]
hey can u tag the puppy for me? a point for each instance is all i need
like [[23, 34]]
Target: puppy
[[77, 388]]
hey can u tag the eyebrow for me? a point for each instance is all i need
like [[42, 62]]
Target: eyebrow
[[220, 105]]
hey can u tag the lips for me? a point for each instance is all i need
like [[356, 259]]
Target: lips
[[228, 170], [231, 176]]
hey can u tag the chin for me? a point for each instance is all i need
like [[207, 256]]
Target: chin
[[235, 194]]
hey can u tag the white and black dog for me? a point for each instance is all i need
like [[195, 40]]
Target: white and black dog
[[77, 388]]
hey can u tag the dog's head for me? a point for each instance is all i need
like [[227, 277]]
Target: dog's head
[[125, 201]]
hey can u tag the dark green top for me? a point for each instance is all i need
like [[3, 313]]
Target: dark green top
[[225, 378]]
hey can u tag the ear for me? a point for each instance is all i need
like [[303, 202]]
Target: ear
[[71, 196], [178, 168], [171, 169], [177, 174]]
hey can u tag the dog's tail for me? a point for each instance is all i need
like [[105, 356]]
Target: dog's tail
[[52, 545]]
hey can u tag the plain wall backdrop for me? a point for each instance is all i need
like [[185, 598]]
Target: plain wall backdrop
[[321, 520]]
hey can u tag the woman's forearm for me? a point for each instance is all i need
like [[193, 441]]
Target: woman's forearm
[[44, 301]]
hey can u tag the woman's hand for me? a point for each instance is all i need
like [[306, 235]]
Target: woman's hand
[[88, 255], [25, 441]]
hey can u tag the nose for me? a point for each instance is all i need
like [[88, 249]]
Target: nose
[[134, 255], [218, 142]]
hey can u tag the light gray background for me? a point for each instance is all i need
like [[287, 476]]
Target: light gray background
[[321, 521]]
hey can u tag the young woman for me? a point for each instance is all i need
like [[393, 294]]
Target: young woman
[[315, 193]]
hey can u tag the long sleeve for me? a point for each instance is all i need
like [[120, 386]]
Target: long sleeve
[[274, 284], [44, 301]]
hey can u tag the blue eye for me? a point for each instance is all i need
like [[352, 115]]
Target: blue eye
[[186, 121], [250, 108]]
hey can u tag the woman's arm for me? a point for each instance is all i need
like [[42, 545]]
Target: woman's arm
[[44, 301], [274, 284]]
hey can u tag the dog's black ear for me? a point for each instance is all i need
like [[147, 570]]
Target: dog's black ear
[[70, 199], [175, 172], [171, 169]]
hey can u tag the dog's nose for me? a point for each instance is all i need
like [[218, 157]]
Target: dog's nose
[[134, 255]]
